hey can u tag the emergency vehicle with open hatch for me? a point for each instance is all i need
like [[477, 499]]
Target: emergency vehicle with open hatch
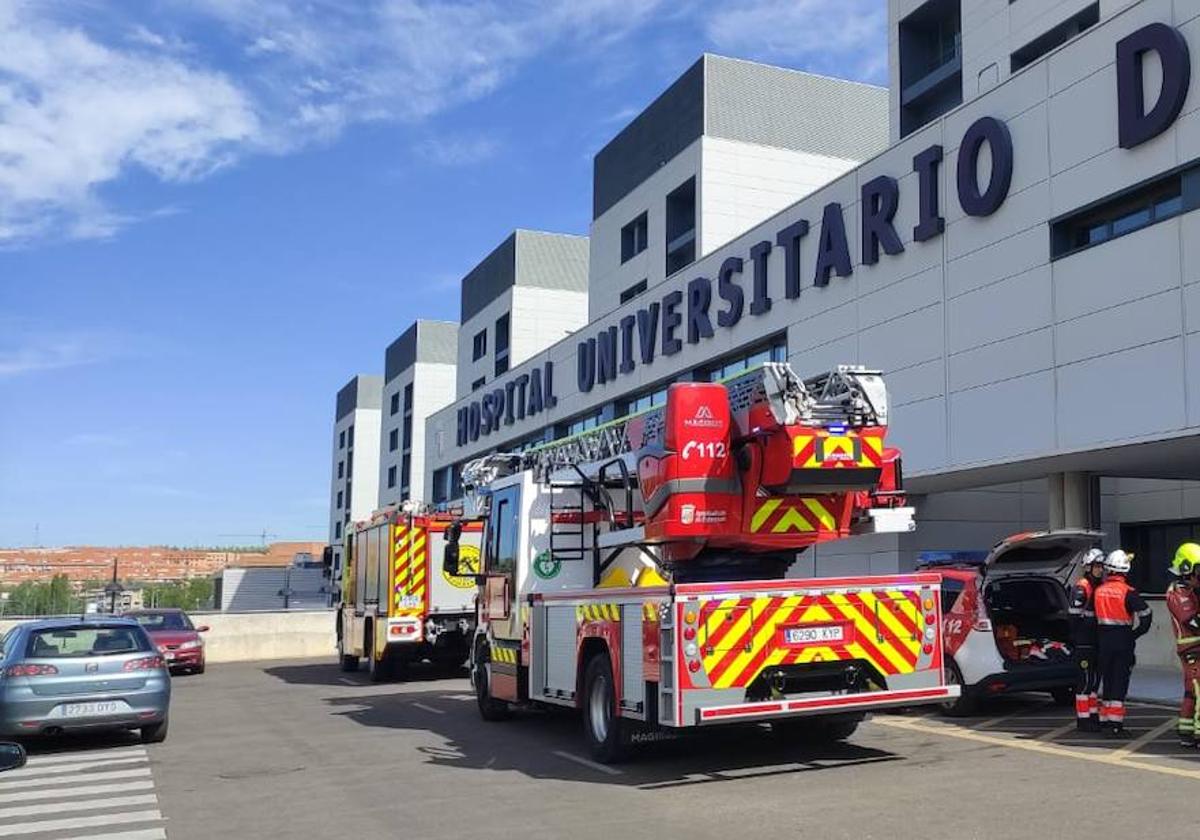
[[637, 571], [398, 606]]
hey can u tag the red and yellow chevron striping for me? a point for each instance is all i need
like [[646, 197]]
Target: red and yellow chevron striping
[[741, 636], [410, 590], [805, 514], [827, 451]]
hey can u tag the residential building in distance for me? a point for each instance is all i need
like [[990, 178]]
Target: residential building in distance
[[354, 467]]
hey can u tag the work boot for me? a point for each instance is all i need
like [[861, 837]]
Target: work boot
[[1088, 724], [1116, 731]]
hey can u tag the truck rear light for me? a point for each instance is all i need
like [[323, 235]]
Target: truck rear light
[[689, 617], [927, 649], [146, 663], [30, 670], [930, 618], [689, 633], [928, 604], [693, 666]]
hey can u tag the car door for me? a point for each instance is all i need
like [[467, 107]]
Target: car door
[[500, 562]]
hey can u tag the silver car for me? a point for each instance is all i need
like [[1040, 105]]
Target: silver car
[[68, 675]]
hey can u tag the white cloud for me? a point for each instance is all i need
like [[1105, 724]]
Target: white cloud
[[458, 151], [36, 353]]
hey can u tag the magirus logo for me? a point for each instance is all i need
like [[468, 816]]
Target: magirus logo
[[703, 419]]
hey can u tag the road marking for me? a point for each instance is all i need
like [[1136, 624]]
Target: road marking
[[1055, 733], [1032, 746], [137, 834], [1142, 740], [98, 755], [429, 708], [347, 681], [85, 777], [991, 722], [60, 769], [587, 762], [95, 820], [85, 805], [84, 790]]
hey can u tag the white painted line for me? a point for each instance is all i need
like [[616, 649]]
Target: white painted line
[[587, 762], [1141, 741], [429, 708], [347, 681], [81, 790], [136, 834], [85, 805], [91, 755], [94, 821], [82, 777], [60, 769], [1055, 733]]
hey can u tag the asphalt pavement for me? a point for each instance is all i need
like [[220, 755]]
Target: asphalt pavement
[[301, 750]]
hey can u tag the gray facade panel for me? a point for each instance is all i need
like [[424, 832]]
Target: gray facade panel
[[360, 392], [424, 341], [672, 122], [552, 261], [497, 272], [774, 106]]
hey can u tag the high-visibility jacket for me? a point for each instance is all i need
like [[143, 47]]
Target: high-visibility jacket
[[1119, 606], [1083, 611], [1184, 608]]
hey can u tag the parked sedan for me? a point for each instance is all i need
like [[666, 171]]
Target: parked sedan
[[177, 638], [67, 675]]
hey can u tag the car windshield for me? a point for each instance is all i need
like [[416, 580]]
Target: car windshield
[[85, 640], [163, 621]]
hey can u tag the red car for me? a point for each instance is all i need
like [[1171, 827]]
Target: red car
[[176, 637]]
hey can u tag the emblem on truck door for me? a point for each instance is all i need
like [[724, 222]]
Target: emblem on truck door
[[545, 566], [468, 561]]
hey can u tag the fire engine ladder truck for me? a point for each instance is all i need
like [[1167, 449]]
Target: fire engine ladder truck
[[594, 478]]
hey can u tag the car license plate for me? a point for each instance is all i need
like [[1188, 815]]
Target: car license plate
[[77, 710], [168, 655], [814, 635]]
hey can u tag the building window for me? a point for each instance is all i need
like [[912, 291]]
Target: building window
[[406, 471], [341, 469], [440, 491], [635, 237], [393, 440], [1149, 540], [395, 404], [350, 468], [408, 398], [577, 425], [633, 291], [773, 351], [350, 436], [407, 435], [342, 439], [478, 383], [391, 477], [930, 63], [337, 530], [479, 346], [681, 226], [501, 364], [502, 341], [340, 498], [1055, 38], [1130, 210], [640, 402]]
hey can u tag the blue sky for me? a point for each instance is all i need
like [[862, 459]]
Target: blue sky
[[214, 212]]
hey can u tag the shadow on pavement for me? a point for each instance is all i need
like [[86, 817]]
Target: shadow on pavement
[[550, 744], [323, 673], [77, 742]]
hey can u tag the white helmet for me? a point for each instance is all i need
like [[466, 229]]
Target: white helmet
[[1094, 555], [1118, 561]]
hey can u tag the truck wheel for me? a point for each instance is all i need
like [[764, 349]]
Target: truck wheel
[[346, 661], [967, 702], [378, 669], [607, 734], [822, 729], [490, 709]]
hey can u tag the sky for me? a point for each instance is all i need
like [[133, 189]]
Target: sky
[[214, 212]]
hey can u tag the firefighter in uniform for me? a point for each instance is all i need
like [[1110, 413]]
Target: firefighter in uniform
[[1083, 624], [1122, 615], [1184, 607]]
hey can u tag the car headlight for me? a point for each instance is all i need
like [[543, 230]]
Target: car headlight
[[192, 645]]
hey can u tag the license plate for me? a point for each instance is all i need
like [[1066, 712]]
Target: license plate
[[76, 710], [814, 635], [410, 602], [168, 655]]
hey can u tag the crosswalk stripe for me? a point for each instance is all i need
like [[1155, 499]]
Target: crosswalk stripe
[[85, 805], [136, 834], [97, 755], [94, 820], [82, 777], [60, 769], [75, 791]]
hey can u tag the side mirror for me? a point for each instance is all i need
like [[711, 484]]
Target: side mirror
[[12, 756], [203, 628]]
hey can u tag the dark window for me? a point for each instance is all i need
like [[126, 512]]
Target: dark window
[[350, 468], [633, 291], [951, 589], [342, 439], [773, 351], [501, 364], [408, 398], [1055, 38], [930, 63], [478, 383], [406, 470], [337, 530], [1127, 211], [503, 532], [502, 329], [341, 469], [163, 620], [640, 402], [350, 436], [391, 477], [578, 424], [395, 404], [393, 440], [1152, 544], [479, 346], [339, 500], [86, 640], [634, 237], [407, 438], [441, 481], [681, 226]]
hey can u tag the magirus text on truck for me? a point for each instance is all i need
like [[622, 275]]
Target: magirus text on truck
[[637, 571]]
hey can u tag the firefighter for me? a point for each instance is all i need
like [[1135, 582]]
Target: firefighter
[[1122, 615], [1184, 607], [1083, 624]]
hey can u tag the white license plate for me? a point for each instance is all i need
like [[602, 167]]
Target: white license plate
[[77, 710], [410, 602], [814, 635], [168, 655]]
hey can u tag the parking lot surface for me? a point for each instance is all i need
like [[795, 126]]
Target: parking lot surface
[[304, 751]]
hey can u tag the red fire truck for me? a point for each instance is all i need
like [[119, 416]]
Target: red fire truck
[[637, 572]]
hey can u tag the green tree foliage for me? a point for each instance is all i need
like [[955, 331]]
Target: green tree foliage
[[52, 597], [194, 594]]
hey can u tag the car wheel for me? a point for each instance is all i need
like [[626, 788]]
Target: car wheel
[[1063, 696], [490, 709], [155, 733], [200, 668], [606, 732], [967, 702], [822, 729]]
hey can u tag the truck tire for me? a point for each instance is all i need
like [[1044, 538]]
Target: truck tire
[[490, 709], [607, 733], [967, 702], [821, 729], [379, 670], [348, 662]]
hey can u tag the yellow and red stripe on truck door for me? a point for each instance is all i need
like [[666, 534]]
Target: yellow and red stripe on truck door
[[410, 570]]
